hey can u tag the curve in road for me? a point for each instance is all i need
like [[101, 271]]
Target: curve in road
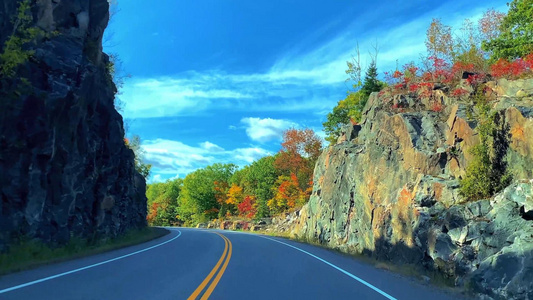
[[193, 263]]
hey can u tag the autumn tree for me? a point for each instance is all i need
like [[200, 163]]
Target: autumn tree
[[439, 40], [288, 194], [221, 195], [490, 23], [197, 201], [514, 37], [257, 180], [247, 207], [299, 153], [163, 203]]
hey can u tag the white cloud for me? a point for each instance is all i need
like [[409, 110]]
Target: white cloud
[[174, 158], [211, 147], [303, 78], [156, 178], [266, 130]]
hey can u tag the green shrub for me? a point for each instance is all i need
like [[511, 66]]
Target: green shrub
[[14, 53], [487, 173]]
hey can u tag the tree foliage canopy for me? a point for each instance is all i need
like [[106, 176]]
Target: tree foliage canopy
[[516, 33]]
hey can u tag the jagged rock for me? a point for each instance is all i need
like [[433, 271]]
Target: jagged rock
[[393, 193], [64, 168]]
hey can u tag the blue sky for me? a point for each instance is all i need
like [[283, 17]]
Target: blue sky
[[220, 80]]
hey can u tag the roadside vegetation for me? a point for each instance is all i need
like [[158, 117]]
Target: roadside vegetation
[[458, 63], [268, 186], [32, 253]]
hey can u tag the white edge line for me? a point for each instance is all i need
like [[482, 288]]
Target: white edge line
[[334, 266], [87, 267]]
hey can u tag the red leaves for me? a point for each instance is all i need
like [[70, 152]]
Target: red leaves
[[247, 207], [511, 70], [459, 92], [397, 74], [436, 106]]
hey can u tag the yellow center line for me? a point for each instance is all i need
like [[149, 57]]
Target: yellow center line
[[212, 273], [220, 273]]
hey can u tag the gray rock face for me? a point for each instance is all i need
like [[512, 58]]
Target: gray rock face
[[64, 168], [393, 193]]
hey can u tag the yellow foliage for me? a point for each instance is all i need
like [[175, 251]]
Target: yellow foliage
[[235, 195]]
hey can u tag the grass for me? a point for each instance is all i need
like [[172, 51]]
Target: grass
[[31, 253]]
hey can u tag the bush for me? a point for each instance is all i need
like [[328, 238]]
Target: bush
[[487, 173]]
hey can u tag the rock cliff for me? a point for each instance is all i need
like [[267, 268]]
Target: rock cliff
[[64, 168], [390, 188]]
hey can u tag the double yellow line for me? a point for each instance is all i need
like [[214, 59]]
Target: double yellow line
[[224, 260]]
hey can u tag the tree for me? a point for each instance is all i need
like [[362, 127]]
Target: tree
[[516, 37], [135, 145], [490, 23], [163, 203], [299, 153], [287, 194], [257, 180], [247, 207], [346, 110], [198, 201], [372, 83], [439, 40], [235, 195]]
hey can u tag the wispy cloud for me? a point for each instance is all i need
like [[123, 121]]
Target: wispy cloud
[[171, 158], [298, 81]]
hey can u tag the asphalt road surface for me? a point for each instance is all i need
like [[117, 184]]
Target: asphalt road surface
[[209, 264]]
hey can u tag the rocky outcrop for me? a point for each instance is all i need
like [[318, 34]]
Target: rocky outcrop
[[64, 168], [389, 188]]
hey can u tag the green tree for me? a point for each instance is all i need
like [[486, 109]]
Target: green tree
[[371, 83], [165, 197], [347, 109], [258, 180], [197, 201], [516, 38], [135, 145], [487, 173], [24, 33]]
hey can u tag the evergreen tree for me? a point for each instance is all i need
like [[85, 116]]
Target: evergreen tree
[[371, 83]]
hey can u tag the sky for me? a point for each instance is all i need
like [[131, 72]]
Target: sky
[[218, 81]]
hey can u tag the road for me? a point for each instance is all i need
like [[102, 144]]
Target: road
[[208, 264]]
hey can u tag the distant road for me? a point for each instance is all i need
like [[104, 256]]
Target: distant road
[[209, 264]]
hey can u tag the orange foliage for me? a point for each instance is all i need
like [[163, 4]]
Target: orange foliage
[[235, 195], [288, 194], [304, 142], [300, 151], [221, 189], [152, 213]]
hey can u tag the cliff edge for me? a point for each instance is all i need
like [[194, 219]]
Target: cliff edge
[[390, 188], [64, 168]]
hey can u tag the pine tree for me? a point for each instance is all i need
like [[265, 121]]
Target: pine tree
[[371, 83]]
